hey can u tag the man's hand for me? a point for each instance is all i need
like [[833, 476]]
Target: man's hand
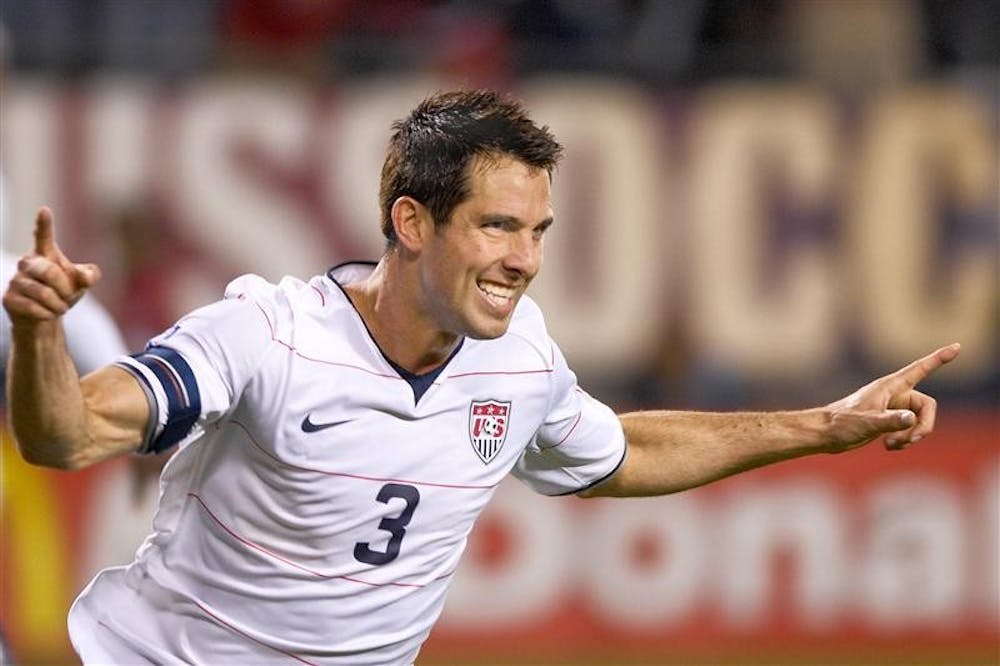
[[47, 283], [889, 406]]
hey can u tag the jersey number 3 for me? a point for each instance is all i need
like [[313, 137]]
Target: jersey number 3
[[394, 526]]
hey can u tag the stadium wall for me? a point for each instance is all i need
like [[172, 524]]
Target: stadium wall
[[743, 245]]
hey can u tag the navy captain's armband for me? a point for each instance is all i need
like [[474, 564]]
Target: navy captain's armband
[[172, 391]]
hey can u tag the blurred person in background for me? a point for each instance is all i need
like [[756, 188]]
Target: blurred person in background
[[92, 340], [339, 437]]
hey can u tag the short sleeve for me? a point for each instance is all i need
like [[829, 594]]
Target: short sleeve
[[196, 371], [580, 444]]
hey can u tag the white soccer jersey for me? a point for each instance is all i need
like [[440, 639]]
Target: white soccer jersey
[[316, 511]]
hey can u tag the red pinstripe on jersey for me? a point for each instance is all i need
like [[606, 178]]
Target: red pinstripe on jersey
[[499, 372], [362, 477], [317, 574], [576, 422], [229, 626]]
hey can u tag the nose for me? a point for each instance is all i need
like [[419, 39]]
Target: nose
[[524, 255]]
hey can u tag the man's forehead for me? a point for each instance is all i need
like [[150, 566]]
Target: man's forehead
[[484, 164], [503, 186]]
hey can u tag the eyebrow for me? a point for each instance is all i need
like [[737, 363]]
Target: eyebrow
[[510, 219]]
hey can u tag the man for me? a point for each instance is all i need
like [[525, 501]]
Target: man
[[339, 437]]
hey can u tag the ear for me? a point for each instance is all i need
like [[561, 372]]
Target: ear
[[412, 221]]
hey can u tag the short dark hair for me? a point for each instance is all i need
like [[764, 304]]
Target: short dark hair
[[431, 150]]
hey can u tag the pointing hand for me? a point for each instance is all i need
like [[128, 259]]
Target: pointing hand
[[890, 406], [46, 283]]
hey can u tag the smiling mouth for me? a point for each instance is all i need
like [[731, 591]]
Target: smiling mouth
[[499, 295]]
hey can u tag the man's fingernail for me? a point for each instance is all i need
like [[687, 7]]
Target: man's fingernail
[[916, 438]]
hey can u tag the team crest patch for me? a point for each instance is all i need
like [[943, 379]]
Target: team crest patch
[[488, 427]]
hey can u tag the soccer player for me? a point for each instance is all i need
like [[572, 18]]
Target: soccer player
[[338, 437]]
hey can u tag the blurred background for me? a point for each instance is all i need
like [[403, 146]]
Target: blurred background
[[764, 204]]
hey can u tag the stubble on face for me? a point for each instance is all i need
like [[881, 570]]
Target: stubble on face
[[483, 259]]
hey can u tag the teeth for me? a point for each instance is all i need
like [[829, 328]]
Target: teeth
[[497, 291]]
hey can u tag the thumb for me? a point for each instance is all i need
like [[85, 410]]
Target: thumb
[[892, 420]]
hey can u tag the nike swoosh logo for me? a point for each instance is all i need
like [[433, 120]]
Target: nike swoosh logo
[[309, 426]]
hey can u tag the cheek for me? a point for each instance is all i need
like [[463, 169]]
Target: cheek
[[472, 257]]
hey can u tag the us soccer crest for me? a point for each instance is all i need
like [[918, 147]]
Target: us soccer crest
[[488, 427]]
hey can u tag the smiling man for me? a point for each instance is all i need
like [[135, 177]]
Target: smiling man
[[338, 437]]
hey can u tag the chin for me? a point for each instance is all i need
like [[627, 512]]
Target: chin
[[485, 335], [488, 332]]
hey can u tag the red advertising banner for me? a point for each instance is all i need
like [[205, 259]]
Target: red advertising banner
[[869, 549], [865, 550]]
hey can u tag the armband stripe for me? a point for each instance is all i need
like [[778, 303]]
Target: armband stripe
[[147, 389], [181, 390]]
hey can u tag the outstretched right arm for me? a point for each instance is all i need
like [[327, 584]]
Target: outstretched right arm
[[58, 419]]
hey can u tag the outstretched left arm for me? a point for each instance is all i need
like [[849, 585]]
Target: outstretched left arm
[[672, 451]]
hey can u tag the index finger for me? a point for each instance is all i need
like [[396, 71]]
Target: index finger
[[45, 235], [915, 372]]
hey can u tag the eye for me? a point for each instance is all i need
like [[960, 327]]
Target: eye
[[500, 224]]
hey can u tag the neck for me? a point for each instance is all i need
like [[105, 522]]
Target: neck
[[394, 317]]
